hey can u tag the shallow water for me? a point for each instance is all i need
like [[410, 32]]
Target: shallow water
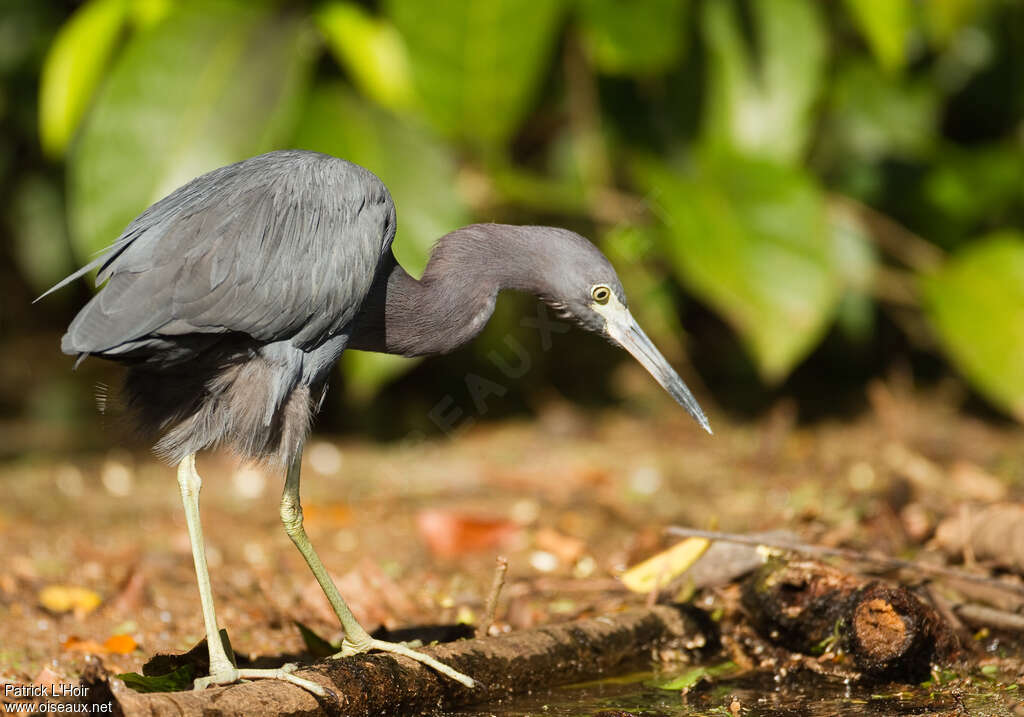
[[759, 696]]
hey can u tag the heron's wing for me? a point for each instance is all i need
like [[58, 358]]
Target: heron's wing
[[280, 247]]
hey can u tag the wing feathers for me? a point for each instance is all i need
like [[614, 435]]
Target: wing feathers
[[283, 246]]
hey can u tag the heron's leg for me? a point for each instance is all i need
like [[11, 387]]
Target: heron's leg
[[222, 672], [356, 638]]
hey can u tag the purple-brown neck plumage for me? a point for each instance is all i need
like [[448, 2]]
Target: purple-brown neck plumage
[[453, 301]]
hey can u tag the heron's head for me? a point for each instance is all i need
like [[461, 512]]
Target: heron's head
[[581, 284]]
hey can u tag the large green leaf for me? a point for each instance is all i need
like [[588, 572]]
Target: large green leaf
[[873, 116], [946, 18], [976, 305], [763, 105], [635, 37], [419, 171], [476, 65], [210, 84], [750, 238], [73, 68], [371, 50], [886, 24]]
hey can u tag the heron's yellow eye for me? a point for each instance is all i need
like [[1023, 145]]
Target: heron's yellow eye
[[601, 294]]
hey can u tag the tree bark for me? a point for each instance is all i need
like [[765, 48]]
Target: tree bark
[[381, 684]]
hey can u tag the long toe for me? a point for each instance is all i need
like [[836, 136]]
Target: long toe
[[231, 676], [400, 649]]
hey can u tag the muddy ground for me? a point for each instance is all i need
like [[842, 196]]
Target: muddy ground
[[411, 529]]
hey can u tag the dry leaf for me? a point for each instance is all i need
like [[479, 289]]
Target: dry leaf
[[661, 569], [77, 644], [47, 677], [449, 534], [993, 534], [113, 645], [67, 598], [975, 483], [120, 644], [567, 548]]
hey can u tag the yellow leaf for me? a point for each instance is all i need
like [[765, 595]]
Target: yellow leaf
[[371, 50], [73, 69], [661, 569], [65, 598]]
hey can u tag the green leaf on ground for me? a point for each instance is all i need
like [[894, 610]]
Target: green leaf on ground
[[762, 105], [975, 303], [177, 681], [73, 68], [636, 37], [211, 84], [419, 171], [750, 238], [476, 66], [690, 678]]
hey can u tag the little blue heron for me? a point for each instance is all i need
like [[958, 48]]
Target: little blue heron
[[231, 299]]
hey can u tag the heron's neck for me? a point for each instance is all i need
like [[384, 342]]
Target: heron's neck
[[453, 301]]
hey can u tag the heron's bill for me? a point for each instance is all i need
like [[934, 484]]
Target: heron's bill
[[624, 329]]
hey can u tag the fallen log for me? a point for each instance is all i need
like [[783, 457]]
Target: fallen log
[[381, 684], [885, 630]]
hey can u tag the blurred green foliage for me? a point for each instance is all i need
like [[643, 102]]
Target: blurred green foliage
[[793, 165]]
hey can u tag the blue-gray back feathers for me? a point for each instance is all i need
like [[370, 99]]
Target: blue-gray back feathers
[[241, 285]]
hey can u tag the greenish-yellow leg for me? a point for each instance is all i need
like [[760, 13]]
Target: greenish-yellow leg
[[222, 672], [356, 640]]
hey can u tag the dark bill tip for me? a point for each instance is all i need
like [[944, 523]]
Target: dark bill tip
[[632, 338]]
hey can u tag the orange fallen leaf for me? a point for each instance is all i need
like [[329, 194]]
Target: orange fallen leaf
[[449, 534], [567, 548], [120, 644], [77, 644], [68, 598], [113, 645]]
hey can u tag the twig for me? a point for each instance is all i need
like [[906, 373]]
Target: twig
[[848, 554], [945, 609], [491, 606], [990, 617], [891, 236]]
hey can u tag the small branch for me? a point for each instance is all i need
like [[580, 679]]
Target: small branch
[[895, 287], [848, 554], [984, 616], [491, 606], [892, 237]]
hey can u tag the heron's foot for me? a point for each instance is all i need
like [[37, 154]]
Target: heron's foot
[[348, 649], [227, 675]]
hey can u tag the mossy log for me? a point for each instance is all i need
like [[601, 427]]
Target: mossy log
[[383, 684]]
